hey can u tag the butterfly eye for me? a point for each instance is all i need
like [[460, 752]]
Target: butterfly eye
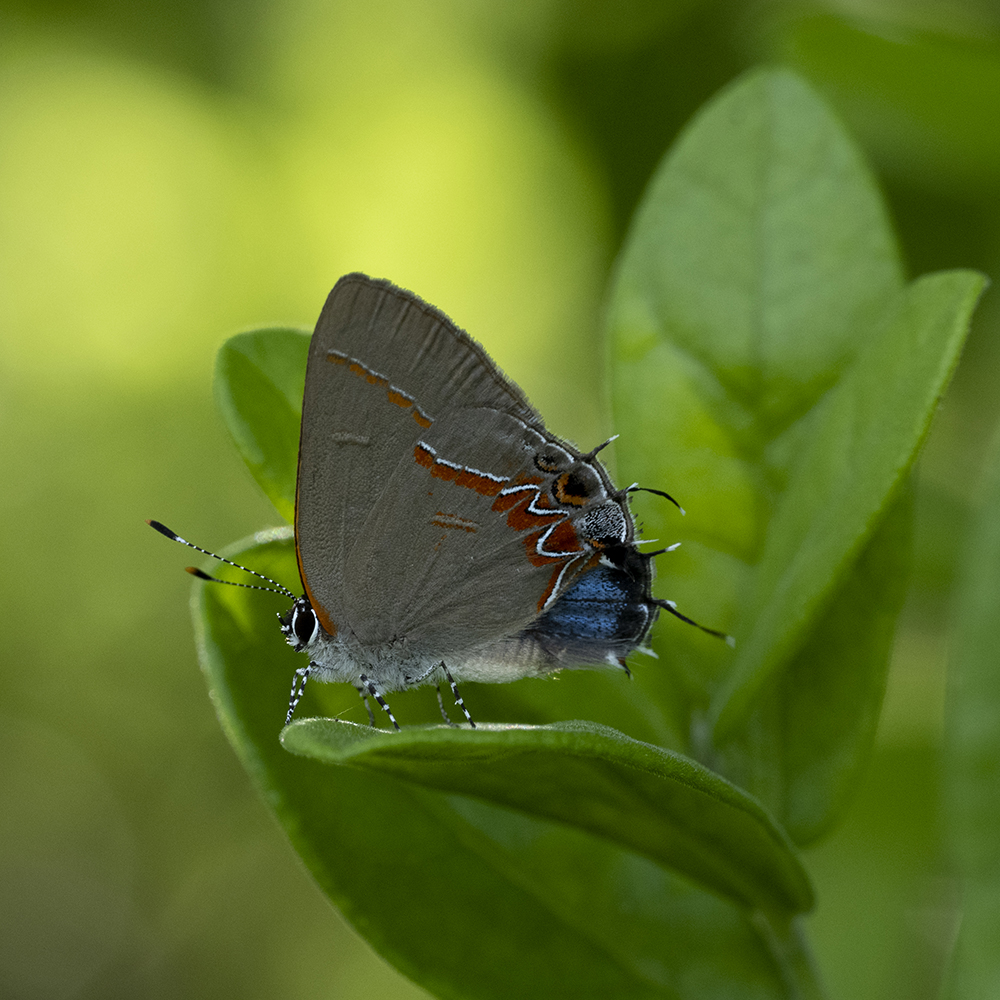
[[304, 623], [299, 624]]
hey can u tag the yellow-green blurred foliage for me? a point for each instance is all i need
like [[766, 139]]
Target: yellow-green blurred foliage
[[171, 173]]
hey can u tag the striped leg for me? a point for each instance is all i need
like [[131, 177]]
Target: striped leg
[[298, 687], [376, 694], [458, 697]]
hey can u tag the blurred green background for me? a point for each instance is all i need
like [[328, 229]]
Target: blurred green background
[[174, 172]]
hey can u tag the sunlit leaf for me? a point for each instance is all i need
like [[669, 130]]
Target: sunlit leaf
[[259, 377]]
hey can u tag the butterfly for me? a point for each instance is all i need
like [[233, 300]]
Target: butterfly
[[442, 532]]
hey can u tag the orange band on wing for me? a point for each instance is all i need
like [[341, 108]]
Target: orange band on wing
[[395, 395], [461, 475]]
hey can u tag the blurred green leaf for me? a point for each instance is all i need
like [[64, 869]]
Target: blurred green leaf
[[972, 775], [760, 267], [925, 103], [259, 380], [641, 797], [478, 900]]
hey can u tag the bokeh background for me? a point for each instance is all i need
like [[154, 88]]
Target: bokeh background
[[174, 171]]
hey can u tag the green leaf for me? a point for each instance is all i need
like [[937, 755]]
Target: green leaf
[[259, 378], [479, 900], [641, 797], [861, 442], [823, 708], [770, 372], [756, 260], [972, 774]]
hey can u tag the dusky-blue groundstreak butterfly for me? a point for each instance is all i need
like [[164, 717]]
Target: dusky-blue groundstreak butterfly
[[442, 533]]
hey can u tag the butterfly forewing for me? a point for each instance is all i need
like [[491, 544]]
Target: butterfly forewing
[[362, 416]]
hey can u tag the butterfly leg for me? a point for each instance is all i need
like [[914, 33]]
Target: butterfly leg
[[458, 697], [298, 687], [371, 714], [437, 687], [376, 694]]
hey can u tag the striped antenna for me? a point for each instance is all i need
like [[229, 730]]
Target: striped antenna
[[277, 588]]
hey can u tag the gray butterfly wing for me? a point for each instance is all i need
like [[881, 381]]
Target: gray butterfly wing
[[374, 347], [464, 546]]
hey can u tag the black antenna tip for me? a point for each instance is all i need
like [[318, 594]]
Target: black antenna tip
[[202, 575]]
